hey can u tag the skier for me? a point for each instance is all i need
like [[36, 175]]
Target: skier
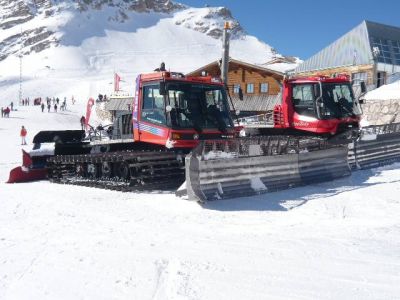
[[83, 122], [7, 112], [42, 106], [23, 135], [48, 107], [55, 107]]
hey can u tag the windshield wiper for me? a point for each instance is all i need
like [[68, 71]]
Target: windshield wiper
[[217, 119], [344, 107], [197, 127]]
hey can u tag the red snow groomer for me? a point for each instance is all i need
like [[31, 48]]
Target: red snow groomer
[[314, 106], [321, 105], [169, 115]]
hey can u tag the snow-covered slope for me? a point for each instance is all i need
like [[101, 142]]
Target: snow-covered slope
[[73, 47], [336, 240]]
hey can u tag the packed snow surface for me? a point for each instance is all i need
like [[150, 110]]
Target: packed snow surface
[[336, 240]]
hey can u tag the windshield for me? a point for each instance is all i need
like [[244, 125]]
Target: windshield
[[198, 106], [337, 100]]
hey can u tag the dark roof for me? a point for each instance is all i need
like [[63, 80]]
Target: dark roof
[[256, 102], [119, 104], [383, 31]]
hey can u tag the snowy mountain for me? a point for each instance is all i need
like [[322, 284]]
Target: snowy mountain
[[39, 20], [73, 47]]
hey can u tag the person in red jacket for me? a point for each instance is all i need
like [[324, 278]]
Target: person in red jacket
[[23, 135]]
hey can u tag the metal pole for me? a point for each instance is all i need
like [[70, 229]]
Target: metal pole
[[20, 74], [20, 78], [225, 53]]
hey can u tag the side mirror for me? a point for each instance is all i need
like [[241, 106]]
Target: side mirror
[[361, 101], [363, 87], [163, 89], [240, 94], [319, 102], [317, 91], [168, 108], [319, 105]]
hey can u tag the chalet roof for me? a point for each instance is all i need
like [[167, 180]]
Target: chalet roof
[[255, 102], [124, 103], [238, 62]]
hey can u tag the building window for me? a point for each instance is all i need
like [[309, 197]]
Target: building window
[[388, 49], [236, 88], [264, 87], [250, 88], [356, 78]]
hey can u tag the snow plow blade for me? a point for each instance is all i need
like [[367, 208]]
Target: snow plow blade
[[246, 167], [28, 171], [22, 174], [378, 145]]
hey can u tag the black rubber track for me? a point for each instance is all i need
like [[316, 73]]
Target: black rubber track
[[125, 171]]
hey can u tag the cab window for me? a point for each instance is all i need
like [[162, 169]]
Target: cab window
[[303, 100], [153, 107]]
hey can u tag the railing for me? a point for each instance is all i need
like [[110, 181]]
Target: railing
[[261, 119], [99, 133]]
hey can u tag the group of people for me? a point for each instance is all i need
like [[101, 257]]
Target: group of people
[[25, 102], [55, 104], [101, 98]]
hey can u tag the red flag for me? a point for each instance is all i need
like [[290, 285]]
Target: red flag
[[117, 79], [89, 106]]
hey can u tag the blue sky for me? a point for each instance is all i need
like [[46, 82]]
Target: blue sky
[[303, 27]]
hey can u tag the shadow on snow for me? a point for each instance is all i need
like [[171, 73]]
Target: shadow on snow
[[286, 200]]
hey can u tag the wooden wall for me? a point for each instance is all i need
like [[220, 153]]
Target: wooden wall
[[241, 74]]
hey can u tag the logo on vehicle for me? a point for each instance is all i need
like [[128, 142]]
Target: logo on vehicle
[[300, 124]]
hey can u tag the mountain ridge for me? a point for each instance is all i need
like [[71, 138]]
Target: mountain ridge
[[21, 13]]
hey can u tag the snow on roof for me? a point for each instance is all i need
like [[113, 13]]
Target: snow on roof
[[385, 92]]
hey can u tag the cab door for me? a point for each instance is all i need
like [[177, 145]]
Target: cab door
[[152, 125]]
